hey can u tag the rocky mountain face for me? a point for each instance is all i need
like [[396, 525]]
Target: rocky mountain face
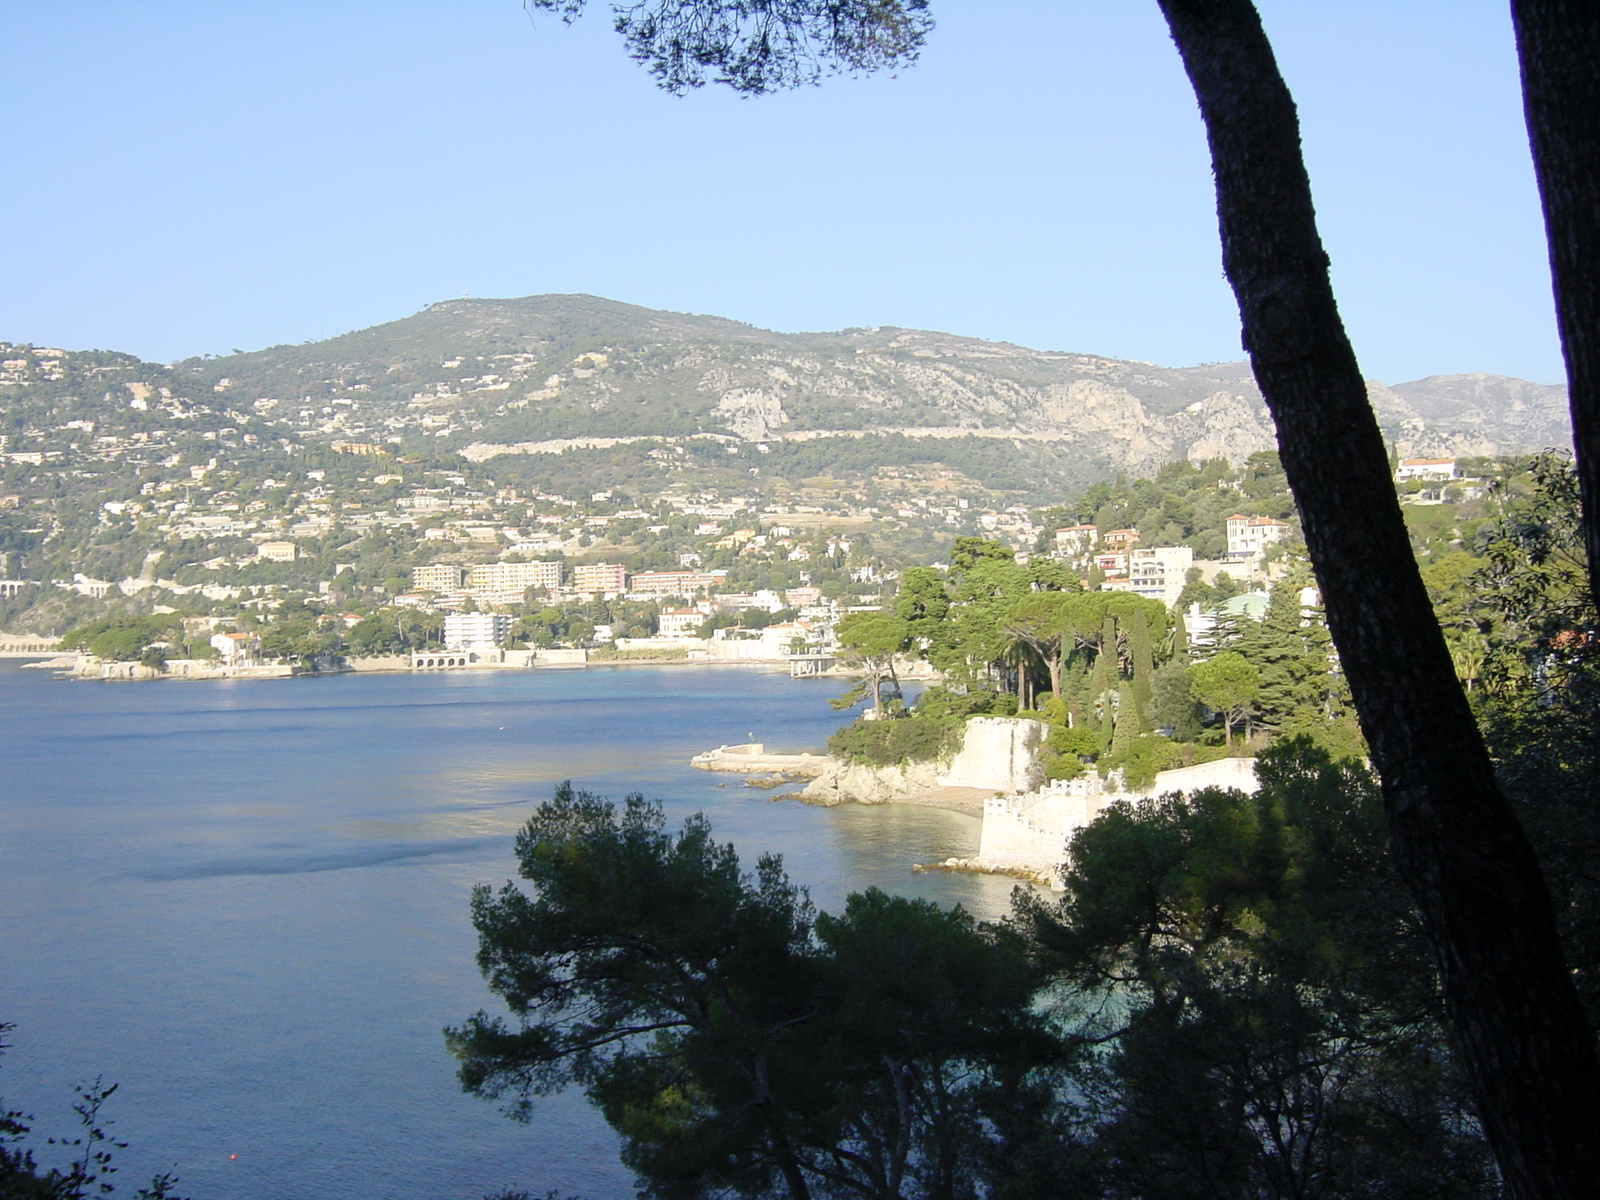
[[1466, 414], [546, 373]]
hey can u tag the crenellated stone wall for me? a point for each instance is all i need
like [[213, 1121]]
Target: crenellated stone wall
[[1031, 832]]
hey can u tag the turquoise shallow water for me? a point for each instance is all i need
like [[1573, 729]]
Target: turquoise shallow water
[[246, 901]]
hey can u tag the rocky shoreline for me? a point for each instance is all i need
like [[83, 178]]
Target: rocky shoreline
[[998, 755], [977, 866], [996, 776]]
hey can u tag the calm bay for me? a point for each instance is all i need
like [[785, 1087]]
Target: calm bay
[[246, 902]]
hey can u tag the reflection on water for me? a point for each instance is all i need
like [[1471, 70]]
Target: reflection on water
[[247, 902], [875, 846]]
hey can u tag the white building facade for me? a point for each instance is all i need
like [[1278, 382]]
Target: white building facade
[[513, 576], [470, 631], [1441, 469], [1158, 572], [1249, 536], [438, 577]]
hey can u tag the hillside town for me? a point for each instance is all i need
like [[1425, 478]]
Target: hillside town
[[519, 679], [494, 574]]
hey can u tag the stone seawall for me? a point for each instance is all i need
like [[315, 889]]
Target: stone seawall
[[87, 666], [752, 758], [16, 645]]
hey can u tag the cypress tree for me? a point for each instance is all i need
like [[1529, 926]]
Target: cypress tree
[[1129, 722], [1180, 639], [1097, 712], [1108, 670], [1075, 686], [1142, 661]]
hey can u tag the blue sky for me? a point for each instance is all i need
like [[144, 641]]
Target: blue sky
[[190, 177]]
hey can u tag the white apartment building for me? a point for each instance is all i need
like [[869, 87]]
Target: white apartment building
[[1158, 572], [513, 576], [473, 631], [1251, 535], [439, 577], [607, 578]]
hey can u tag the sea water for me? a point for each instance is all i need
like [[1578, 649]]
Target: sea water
[[246, 903]]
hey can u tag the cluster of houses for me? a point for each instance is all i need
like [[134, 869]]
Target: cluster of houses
[[699, 595], [1122, 563], [1161, 572]]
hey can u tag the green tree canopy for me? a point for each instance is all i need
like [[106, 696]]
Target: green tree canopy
[[738, 1042], [1272, 1027], [870, 641], [1227, 682], [967, 552], [122, 638]]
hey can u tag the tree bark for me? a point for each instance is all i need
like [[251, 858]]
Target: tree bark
[[1527, 1050], [1558, 44]]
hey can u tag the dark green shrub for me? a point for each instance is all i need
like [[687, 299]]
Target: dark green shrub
[[1074, 741], [888, 743], [941, 704], [1144, 757]]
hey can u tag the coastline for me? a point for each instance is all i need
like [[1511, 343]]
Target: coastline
[[86, 668]]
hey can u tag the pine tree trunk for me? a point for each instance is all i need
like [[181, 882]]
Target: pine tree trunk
[[1558, 43], [1527, 1049]]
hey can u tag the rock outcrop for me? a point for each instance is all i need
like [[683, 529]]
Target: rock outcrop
[[857, 783], [997, 755]]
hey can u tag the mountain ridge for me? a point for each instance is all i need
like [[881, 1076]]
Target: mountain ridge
[[541, 374]]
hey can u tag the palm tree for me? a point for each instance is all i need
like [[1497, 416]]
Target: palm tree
[[1467, 651]]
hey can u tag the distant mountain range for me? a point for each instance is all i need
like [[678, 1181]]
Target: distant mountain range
[[543, 373]]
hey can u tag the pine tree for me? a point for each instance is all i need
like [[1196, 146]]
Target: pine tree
[[1293, 670]]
